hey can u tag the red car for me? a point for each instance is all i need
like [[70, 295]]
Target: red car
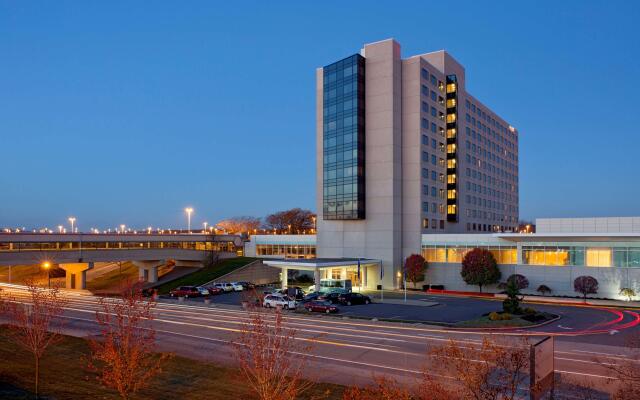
[[185, 291], [321, 306], [215, 290]]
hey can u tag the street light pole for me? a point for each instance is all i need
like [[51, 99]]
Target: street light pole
[[47, 265], [72, 220], [188, 210]]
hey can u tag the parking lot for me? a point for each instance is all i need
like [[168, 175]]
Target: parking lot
[[446, 310]]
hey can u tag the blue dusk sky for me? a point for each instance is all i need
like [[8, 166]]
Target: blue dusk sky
[[127, 112]]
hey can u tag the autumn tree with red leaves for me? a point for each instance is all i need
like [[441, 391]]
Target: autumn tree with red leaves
[[123, 355], [415, 267], [34, 321], [271, 356], [479, 267]]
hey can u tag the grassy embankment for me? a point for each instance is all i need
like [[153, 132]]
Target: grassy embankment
[[64, 376], [206, 274]]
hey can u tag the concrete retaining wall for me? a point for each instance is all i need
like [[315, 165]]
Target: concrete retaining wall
[[255, 272]]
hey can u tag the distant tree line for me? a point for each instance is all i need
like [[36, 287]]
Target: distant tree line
[[295, 221]]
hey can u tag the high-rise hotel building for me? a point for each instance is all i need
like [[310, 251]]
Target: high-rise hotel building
[[404, 150]]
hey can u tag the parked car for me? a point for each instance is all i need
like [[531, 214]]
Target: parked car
[[331, 297], [321, 306], [279, 301], [295, 292], [311, 297], [213, 290], [226, 286], [246, 285], [185, 291], [353, 298], [237, 286], [203, 291]]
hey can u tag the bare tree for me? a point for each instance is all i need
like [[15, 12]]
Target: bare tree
[[123, 355], [34, 322], [239, 224], [492, 371], [271, 357], [627, 371], [295, 220]]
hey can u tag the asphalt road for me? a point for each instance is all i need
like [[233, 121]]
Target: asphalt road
[[349, 351]]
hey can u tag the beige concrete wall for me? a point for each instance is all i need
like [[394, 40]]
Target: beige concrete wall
[[379, 235], [255, 272], [558, 278]]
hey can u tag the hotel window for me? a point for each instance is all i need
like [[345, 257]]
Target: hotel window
[[434, 96], [434, 81], [434, 128], [425, 123], [441, 145], [441, 100], [425, 223], [598, 257], [451, 87], [434, 112], [441, 86], [451, 103], [451, 118], [433, 143], [425, 74], [425, 140], [451, 133], [425, 90], [433, 224], [451, 209], [451, 178], [451, 194], [425, 107], [451, 163]]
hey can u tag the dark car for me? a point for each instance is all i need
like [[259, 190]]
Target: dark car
[[185, 291], [246, 285], [311, 297], [331, 297], [321, 306], [214, 290], [353, 298]]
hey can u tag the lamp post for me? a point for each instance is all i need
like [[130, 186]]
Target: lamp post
[[122, 226], [205, 223], [47, 266], [60, 228], [72, 221], [314, 224], [188, 210]]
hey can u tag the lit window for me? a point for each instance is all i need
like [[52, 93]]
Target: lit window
[[451, 194], [451, 118], [451, 103], [451, 163], [451, 133], [451, 148], [451, 209], [451, 87]]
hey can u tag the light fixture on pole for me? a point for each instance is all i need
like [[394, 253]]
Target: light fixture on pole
[[205, 223], [122, 226], [189, 211], [47, 266], [60, 228], [72, 221]]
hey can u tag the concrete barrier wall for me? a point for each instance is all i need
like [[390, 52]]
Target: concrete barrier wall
[[559, 279], [255, 272]]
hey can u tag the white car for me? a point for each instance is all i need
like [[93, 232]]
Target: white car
[[279, 301], [237, 287], [227, 287]]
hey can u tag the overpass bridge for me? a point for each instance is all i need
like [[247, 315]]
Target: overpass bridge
[[76, 253]]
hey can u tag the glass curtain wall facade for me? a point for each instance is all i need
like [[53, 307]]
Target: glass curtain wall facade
[[452, 149], [454, 253], [576, 254], [344, 139]]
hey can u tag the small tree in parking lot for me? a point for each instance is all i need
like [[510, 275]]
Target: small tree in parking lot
[[415, 266], [585, 285], [479, 267], [271, 356]]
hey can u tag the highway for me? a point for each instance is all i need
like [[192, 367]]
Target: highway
[[345, 351]]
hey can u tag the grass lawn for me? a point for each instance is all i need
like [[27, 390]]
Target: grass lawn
[[64, 376], [515, 321], [206, 274], [111, 282]]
